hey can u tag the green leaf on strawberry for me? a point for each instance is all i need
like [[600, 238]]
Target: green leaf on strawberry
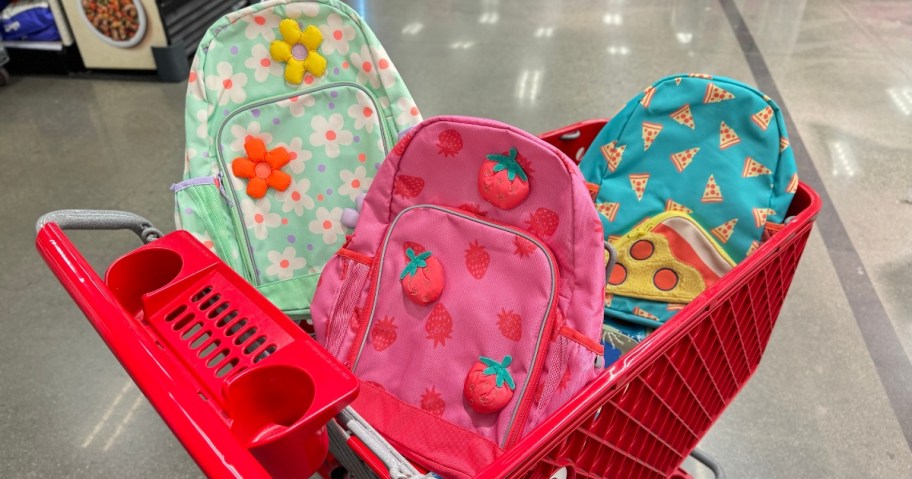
[[415, 262], [499, 369], [508, 162]]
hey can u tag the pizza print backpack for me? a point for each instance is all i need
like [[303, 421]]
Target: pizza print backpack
[[469, 299], [291, 108], [690, 176]]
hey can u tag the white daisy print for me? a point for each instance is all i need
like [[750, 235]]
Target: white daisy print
[[297, 105], [258, 218], [195, 83], [354, 183], [367, 70], [336, 35], [295, 197], [283, 265], [229, 85], [299, 9], [408, 112], [388, 73], [364, 113], [263, 23], [262, 64], [202, 116], [205, 239], [240, 134], [328, 224], [328, 132], [299, 156]]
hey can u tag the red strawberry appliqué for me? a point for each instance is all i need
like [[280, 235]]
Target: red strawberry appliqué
[[489, 386], [449, 143], [502, 180], [408, 186], [477, 260], [439, 325], [432, 402], [422, 277], [383, 334], [510, 324], [543, 222]]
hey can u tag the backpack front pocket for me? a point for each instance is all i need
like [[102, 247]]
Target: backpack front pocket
[[498, 299], [293, 164]]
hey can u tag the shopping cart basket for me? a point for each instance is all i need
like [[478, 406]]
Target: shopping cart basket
[[639, 419]]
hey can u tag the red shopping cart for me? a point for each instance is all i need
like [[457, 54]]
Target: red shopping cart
[[170, 310]]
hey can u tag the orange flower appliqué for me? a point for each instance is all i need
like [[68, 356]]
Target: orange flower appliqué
[[263, 168]]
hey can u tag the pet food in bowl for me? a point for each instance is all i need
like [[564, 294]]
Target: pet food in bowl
[[121, 23]]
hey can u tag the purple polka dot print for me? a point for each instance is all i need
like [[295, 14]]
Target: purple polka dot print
[[255, 112], [292, 239]]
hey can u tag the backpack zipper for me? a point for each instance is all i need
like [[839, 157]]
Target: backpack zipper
[[524, 404], [251, 274]]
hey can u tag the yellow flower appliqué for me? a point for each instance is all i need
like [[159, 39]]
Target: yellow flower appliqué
[[298, 50]]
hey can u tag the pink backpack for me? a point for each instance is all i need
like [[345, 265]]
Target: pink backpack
[[469, 298]]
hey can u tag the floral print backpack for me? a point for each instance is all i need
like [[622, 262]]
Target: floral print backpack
[[469, 299], [291, 108]]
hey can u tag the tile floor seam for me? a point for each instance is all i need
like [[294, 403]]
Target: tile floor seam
[[893, 366]]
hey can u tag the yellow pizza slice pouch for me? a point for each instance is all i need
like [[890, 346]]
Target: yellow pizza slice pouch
[[668, 258]]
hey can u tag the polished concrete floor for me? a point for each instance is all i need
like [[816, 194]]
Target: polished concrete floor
[[833, 396]]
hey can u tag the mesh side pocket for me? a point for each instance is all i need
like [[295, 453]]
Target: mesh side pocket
[[345, 316], [202, 211]]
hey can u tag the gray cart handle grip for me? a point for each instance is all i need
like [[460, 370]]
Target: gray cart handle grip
[[101, 220]]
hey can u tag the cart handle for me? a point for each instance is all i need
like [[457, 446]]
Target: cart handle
[[101, 220]]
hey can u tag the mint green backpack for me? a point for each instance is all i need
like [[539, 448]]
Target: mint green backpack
[[291, 108]]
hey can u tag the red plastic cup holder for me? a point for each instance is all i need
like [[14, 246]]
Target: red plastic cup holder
[[141, 272], [265, 402], [269, 407]]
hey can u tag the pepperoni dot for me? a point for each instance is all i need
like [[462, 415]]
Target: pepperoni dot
[[414, 111], [192, 77], [295, 196], [227, 83], [345, 65], [367, 67], [292, 155], [308, 79], [258, 218], [320, 197], [641, 250], [337, 34], [618, 275], [284, 221], [327, 224], [665, 279], [362, 157], [368, 112], [383, 63], [284, 263], [356, 183], [330, 135], [265, 63], [260, 20]]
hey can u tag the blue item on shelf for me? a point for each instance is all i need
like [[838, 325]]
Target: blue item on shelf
[[28, 20]]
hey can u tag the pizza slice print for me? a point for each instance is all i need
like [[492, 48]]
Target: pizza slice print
[[638, 183]]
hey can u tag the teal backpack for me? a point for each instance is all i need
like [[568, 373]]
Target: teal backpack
[[291, 108], [691, 176]]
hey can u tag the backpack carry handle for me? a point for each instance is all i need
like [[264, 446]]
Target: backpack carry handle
[[101, 220]]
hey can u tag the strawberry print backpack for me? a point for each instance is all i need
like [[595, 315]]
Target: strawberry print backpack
[[691, 176], [291, 108], [469, 299]]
